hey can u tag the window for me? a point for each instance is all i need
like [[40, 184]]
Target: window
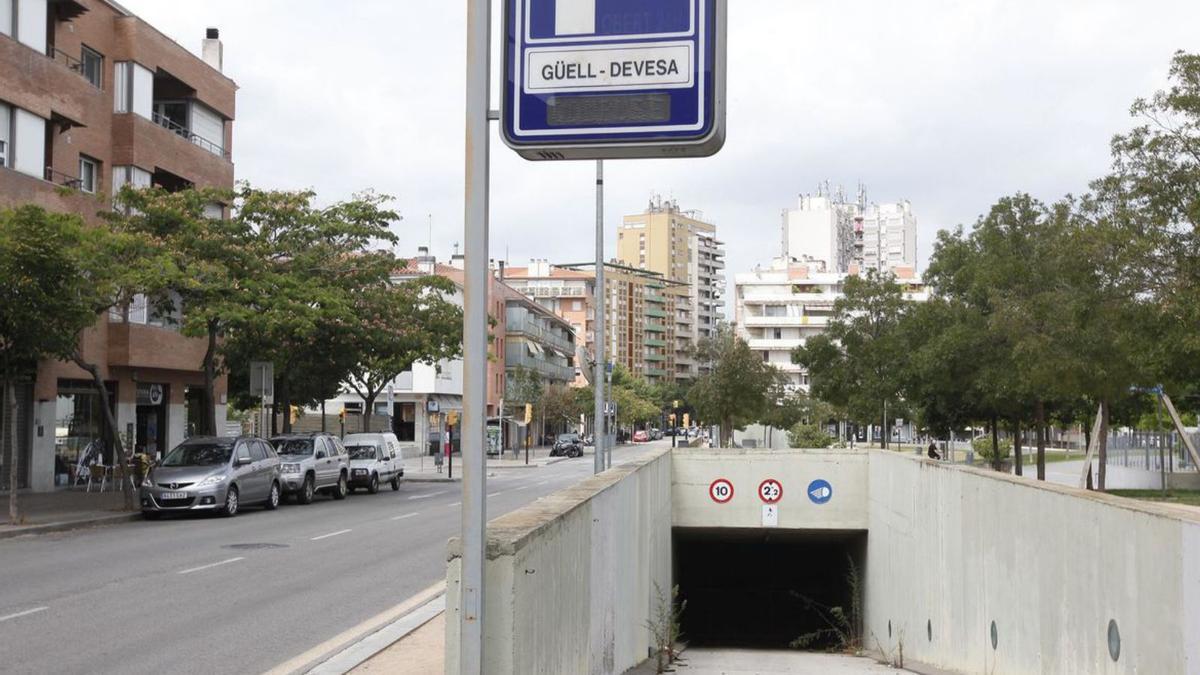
[[243, 452], [5, 130], [778, 333], [88, 172], [257, 453], [92, 67], [6, 17]]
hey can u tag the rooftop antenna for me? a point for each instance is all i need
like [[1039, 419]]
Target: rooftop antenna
[[431, 232]]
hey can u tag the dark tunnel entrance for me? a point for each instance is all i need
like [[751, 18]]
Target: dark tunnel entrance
[[763, 589]]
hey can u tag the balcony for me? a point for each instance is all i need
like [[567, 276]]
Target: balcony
[[138, 141], [533, 331], [655, 328], [183, 132], [548, 370], [656, 313], [656, 299], [767, 345], [659, 358], [656, 343], [132, 345], [657, 372]]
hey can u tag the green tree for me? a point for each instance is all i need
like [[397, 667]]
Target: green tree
[[57, 277], [859, 362], [735, 392], [809, 436], [396, 326]]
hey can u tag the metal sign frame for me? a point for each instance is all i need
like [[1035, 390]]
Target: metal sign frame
[[701, 137]]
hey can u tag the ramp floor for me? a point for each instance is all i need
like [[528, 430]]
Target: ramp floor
[[702, 661]]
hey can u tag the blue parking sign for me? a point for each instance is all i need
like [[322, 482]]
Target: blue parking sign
[[601, 79]]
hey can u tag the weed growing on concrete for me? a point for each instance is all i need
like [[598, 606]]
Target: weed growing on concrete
[[893, 658], [665, 626], [843, 624]]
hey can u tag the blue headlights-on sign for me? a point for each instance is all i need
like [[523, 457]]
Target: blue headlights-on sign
[[598, 79], [820, 492]]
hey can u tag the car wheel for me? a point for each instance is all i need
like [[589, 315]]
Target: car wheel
[[273, 498], [396, 484], [305, 496], [231, 502], [373, 486], [151, 515], [341, 490]]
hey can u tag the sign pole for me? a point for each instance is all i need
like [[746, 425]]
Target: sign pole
[[601, 295], [475, 330]]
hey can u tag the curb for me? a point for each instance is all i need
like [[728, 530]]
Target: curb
[[428, 479], [69, 525], [370, 646]]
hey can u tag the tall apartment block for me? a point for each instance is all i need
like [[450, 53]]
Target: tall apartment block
[[640, 305], [848, 235], [683, 248], [93, 98]]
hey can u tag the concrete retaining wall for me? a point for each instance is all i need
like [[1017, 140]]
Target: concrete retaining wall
[[694, 470], [953, 549], [570, 579]]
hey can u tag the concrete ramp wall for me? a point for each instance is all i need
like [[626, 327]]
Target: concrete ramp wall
[[952, 550], [695, 470], [570, 579]]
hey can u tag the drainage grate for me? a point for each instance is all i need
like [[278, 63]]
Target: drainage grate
[[253, 547]]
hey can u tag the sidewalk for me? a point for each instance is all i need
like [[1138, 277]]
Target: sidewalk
[[66, 510]]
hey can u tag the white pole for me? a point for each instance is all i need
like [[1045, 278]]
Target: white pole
[[601, 297], [475, 328]]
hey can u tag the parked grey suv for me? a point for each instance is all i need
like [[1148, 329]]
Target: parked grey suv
[[313, 463], [212, 474]]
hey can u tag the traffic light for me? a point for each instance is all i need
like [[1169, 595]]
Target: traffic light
[[528, 413], [687, 420], [342, 416], [295, 413], [672, 418]]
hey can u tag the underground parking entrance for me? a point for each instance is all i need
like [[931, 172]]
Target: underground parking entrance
[[767, 588]]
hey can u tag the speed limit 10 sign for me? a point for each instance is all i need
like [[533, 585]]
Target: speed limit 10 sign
[[721, 491], [770, 491]]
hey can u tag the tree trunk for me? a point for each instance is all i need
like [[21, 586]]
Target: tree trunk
[[110, 421], [285, 401], [996, 463], [8, 438], [1087, 443], [210, 380], [1102, 474], [368, 408], [1017, 463], [1041, 440]]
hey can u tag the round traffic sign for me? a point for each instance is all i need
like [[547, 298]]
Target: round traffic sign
[[770, 491], [820, 491], [721, 491]]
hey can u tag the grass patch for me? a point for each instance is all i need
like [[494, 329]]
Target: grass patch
[[1188, 497]]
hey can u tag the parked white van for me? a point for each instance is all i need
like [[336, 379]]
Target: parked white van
[[374, 459]]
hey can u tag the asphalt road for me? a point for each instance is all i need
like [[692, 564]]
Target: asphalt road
[[241, 595]]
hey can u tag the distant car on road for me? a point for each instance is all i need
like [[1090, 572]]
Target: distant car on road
[[374, 459], [567, 445], [641, 437], [313, 463], [656, 434], [214, 474]]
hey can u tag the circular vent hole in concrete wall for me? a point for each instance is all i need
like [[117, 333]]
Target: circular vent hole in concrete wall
[[1114, 640]]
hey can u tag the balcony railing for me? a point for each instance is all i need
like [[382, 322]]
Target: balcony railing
[[60, 178], [69, 61], [550, 371], [186, 134], [546, 337]]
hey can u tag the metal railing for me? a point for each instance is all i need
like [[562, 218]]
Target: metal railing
[[69, 61], [187, 134], [60, 178], [532, 330], [546, 369]]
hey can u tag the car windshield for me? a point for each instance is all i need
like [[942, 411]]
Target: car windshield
[[568, 437], [293, 447], [361, 451], [199, 454]]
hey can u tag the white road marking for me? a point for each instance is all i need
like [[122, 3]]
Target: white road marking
[[208, 567], [543, 483], [456, 504], [331, 534], [523, 487], [27, 612], [407, 515], [431, 494], [495, 494]]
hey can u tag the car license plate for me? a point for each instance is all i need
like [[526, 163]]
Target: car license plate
[[173, 495]]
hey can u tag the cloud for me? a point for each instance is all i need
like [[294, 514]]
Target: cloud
[[948, 104]]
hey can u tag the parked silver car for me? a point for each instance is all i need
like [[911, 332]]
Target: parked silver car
[[218, 475], [313, 463]]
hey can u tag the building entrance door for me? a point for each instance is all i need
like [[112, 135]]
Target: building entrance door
[[151, 420]]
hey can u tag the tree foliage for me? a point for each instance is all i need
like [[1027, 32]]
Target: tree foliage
[[737, 389]]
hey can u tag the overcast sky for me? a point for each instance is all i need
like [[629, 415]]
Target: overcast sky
[[949, 104]]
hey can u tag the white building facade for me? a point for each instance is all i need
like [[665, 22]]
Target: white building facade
[[849, 235]]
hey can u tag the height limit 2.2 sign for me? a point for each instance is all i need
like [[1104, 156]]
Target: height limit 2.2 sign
[[600, 79]]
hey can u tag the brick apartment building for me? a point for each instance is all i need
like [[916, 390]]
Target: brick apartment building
[[93, 98]]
